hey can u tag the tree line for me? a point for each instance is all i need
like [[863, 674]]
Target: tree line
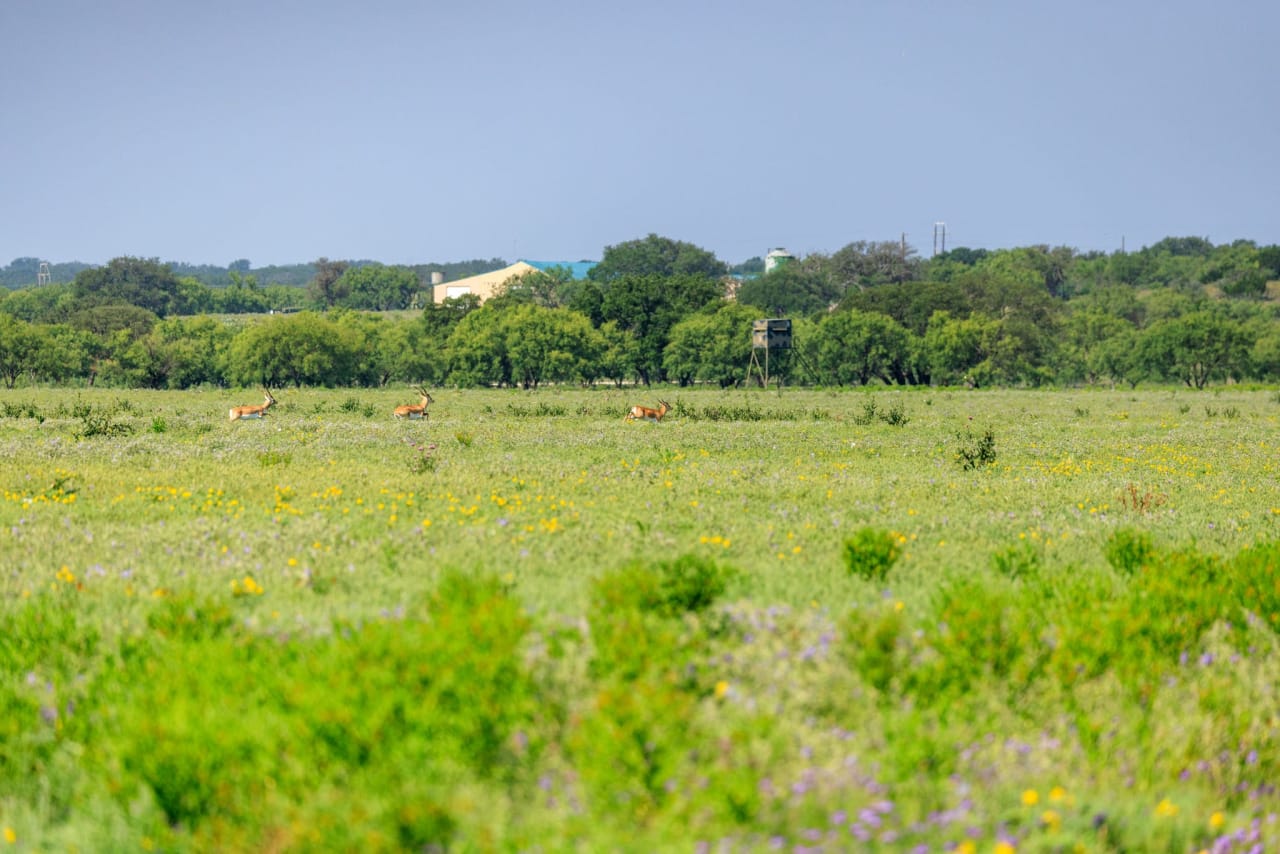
[[661, 310]]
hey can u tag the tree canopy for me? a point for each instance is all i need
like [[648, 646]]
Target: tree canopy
[[656, 256]]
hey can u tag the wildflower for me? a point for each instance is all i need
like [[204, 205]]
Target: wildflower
[[722, 688], [1030, 797], [10, 836], [1216, 821], [1051, 819], [1057, 794], [1166, 808]]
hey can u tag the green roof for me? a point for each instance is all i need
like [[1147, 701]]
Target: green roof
[[578, 268]]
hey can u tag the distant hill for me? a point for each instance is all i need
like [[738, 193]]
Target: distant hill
[[24, 272]]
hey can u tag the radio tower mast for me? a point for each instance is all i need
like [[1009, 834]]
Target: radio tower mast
[[939, 233], [43, 277]]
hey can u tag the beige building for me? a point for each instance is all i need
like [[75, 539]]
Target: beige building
[[483, 285], [486, 285]]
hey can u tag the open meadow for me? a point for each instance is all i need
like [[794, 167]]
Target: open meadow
[[926, 620]]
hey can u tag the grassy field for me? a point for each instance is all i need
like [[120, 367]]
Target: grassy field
[[935, 619]]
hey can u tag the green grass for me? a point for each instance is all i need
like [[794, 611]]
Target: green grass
[[992, 611]]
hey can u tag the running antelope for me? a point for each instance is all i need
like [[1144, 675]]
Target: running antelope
[[646, 414], [238, 412], [419, 411]]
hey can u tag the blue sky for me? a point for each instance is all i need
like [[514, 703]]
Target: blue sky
[[406, 132]]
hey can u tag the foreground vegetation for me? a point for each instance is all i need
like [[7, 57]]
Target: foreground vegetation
[[933, 620]]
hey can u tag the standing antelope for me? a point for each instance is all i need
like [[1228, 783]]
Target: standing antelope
[[647, 414], [238, 412], [419, 411]]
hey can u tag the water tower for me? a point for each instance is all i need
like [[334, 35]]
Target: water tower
[[777, 258]]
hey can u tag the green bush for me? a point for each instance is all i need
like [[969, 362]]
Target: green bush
[[230, 730], [1019, 561], [1129, 550], [688, 584], [976, 450], [875, 646], [632, 611], [1255, 575], [870, 553]]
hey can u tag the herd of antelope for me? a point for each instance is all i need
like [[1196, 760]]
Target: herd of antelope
[[419, 410]]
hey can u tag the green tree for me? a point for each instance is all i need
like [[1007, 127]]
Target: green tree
[[791, 289], [1195, 348], [911, 304], [325, 287], [1269, 261], [864, 264], [1264, 355], [65, 353], [618, 358], [585, 297], [47, 304], [856, 347], [477, 350], [440, 318], [1118, 358], [145, 283], [375, 287], [648, 306], [1086, 333], [550, 345], [242, 296], [191, 296], [656, 256], [711, 346], [303, 348], [958, 348], [544, 288], [106, 320], [20, 344], [187, 352], [394, 349]]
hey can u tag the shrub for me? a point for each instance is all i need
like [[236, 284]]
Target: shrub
[[689, 583], [870, 553], [236, 732], [872, 644], [1128, 550], [98, 422], [1020, 561], [976, 450]]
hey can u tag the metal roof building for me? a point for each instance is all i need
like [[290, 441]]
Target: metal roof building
[[486, 284]]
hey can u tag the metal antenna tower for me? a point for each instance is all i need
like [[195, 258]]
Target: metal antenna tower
[[939, 234], [43, 277]]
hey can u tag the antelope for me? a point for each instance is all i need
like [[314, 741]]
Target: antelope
[[646, 414], [238, 412], [419, 411]]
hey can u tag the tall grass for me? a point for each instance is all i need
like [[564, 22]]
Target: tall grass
[[744, 632]]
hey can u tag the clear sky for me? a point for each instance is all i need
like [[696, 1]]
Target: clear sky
[[206, 131]]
